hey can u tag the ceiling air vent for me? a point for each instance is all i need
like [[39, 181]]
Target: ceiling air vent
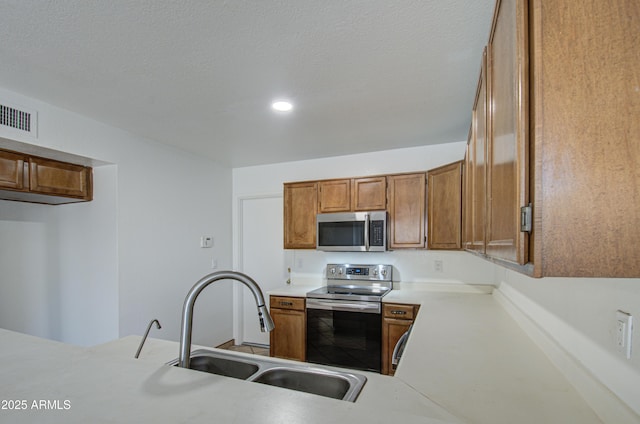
[[21, 120]]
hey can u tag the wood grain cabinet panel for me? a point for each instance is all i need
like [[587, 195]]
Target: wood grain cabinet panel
[[300, 209], [561, 138], [585, 71], [369, 194], [334, 196], [34, 179], [288, 338], [478, 169], [507, 148], [12, 175], [444, 207], [406, 208], [467, 199], [58, 178], [396, 320]]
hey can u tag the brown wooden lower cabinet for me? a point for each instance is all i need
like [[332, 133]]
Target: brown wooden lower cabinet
[[396, 320], [288, 338]]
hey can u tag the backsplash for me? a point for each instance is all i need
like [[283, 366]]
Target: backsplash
[[409, 266]]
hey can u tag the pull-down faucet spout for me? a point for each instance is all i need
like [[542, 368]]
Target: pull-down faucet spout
[[266, 323]]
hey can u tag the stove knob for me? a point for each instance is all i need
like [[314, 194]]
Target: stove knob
[[340, 271], [375, 272], [332, 271], [384, 272]]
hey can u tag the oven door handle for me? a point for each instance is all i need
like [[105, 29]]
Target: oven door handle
[[339, 305]]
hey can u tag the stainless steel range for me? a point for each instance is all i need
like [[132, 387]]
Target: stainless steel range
[[344, 318]]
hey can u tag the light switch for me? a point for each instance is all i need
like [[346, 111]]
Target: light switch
[[206, 241]]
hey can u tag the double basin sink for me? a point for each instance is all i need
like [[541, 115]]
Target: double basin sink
[[309, 379]]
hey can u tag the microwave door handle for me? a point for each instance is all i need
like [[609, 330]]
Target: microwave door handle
[[366, 232]]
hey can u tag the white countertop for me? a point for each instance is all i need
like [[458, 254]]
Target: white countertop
[[465, 355]]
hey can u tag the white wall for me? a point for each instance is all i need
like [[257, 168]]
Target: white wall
[[106, 268], [54, 284], [579, 315], [27, 303]]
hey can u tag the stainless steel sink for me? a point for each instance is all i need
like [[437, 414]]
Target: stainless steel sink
[[316, 380], [321, 382], [221, 363]]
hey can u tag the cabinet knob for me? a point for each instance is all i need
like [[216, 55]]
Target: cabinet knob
[[399, 312]]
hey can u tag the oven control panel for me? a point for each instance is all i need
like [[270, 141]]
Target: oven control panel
[[359, 272]]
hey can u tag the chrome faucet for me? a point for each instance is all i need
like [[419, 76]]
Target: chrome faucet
[[266, 323], [146, 334]]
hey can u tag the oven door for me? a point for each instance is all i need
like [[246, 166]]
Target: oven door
[[344, 334]]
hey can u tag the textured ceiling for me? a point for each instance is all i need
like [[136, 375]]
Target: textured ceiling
[[364, 75]]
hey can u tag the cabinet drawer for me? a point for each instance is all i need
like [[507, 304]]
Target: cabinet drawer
[[398, 311], [279, 302]]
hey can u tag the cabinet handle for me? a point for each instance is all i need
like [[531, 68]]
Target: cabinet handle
[[286, 303], [399, 312]]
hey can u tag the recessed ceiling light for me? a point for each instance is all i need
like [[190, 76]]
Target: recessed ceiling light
[[282, 106]]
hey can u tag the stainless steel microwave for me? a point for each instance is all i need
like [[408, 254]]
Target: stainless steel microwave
[[352, 231]]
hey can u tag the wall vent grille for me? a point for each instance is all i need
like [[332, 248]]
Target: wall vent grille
[[22, 120]]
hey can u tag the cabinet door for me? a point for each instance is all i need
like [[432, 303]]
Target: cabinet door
[[300, 209], [507, 176], [12, 170], [396, 320], [587, 152], [467, 200], [288, 338], [406, 207], [444, 188], [392, 330], [369, 194], [479, 160], [59, 178], [334, 196]]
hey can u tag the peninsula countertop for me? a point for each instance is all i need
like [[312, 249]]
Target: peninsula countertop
[[466, 361], [467, 354]]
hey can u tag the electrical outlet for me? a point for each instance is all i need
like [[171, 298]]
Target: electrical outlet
[[438, 265], [624, 331]]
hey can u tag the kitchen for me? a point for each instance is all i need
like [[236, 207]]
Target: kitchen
[[137, 272]]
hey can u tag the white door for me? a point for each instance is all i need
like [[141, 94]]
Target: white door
[[261, 258]]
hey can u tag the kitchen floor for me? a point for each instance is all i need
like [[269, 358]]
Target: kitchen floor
[[256, 350]]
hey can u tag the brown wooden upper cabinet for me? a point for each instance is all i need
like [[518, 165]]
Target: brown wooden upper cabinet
[[507, 167], [300, 209], [352, 194], [334, 196], [562, 136], [406, 206], [476, 167], [444, 207], [12, 172], [39, 180], [369, 194]]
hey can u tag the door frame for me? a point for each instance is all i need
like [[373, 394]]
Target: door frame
[[238, 260]]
